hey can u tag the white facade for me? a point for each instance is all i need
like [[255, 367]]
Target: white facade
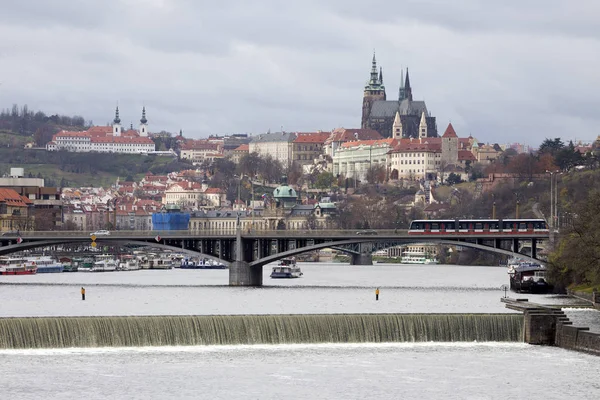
[[414, 163], [277, 145], [353, 159]]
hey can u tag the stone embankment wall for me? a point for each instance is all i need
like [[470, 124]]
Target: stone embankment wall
[[551, 327]]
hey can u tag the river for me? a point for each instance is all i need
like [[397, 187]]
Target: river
[[293, 371]]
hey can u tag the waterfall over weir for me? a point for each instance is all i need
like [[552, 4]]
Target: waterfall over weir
[[57, 332]]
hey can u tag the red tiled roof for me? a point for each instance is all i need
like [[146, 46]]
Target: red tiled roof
[[12, 198], [213, 191], [390, 142], [242, 147], [466, 155], [311, 137], [347, 135], [449, 131]]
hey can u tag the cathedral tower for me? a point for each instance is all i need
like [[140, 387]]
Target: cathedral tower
[[405, 91], [374, 90], [423, 126], [397, 127]]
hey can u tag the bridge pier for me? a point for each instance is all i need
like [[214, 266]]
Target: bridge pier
[[361, 259], [241, 274]]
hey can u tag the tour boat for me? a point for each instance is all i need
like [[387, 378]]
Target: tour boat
[[529, 277], [416, 257], [45, 264], [104, 263], [194, 263], [287, 268], [16, 266], [85, 265], [128, 263], [155, 261]]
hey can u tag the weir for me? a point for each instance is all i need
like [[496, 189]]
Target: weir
[[64, 332]]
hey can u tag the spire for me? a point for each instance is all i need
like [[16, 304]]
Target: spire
[[380, 76], [373, 80], [144, 120], [117, 120], [131, 126], [402, 89], [407, 88]]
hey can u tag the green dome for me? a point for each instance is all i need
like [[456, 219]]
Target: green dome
[[284, 191]]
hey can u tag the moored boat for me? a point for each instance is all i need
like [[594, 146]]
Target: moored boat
[[104, 263], [194, 263], [16, 266], [287, 268], [45, 264], [529, 277]]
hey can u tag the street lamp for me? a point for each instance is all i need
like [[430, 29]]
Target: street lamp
[[553, 197]]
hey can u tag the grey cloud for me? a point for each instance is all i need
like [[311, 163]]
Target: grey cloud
[[522, 71]]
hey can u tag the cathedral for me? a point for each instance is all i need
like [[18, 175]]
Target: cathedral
[[402, 118]]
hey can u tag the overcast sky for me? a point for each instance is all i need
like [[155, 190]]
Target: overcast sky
[[503, 71]]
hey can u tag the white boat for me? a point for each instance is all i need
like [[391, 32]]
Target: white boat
[[287, 268], [417, 255], [128, 264], [195, 263], [104, 263], [155, 261], [45, 264], [16, 266]]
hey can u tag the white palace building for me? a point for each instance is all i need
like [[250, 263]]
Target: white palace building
[[106, 139]]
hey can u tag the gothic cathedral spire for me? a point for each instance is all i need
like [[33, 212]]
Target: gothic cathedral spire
[[405, 91], [374, 91]]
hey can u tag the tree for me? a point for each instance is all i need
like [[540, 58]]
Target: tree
[[376, 174], [325, 180], [577, 259], [453, 179], [551, 146]]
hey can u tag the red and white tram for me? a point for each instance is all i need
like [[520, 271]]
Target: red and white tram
[[477, 226]]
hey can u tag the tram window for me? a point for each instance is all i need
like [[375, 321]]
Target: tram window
[[522, 225], [478, 225], [435, 226], [463, 225], [450, 226], [493, 225]]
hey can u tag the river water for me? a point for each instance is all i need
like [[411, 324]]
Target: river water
[[328, 371]]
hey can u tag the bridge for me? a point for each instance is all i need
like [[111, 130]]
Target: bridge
[[246, 252]]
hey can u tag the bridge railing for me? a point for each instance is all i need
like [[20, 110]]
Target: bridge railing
[[209, 232]]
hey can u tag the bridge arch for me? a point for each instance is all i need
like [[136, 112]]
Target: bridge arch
[[293, 252]]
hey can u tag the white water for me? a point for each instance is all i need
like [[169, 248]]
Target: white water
[[383, 371]]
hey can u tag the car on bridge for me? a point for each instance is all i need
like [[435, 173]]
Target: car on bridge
[[101, 232], [367, 232], [10, 233]]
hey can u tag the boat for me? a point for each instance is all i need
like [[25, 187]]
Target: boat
[[104, 263], [128, 263], [45, 264], [16, 266], [69, 264], [195, 263], [529, 277], [287, 268], [86, 264], [155, 261], [417, 255]]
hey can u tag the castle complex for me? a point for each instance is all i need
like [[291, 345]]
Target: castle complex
[[401, 118]]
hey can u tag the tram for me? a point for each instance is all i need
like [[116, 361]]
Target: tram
[[477, 226]]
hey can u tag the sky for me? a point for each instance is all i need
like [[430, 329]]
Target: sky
[[502, 71]]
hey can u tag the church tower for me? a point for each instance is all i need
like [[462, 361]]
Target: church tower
[[405, 91], [374, 90], [450, 146], [423, 126], [397, 127], [143, 130], [117, 123]]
